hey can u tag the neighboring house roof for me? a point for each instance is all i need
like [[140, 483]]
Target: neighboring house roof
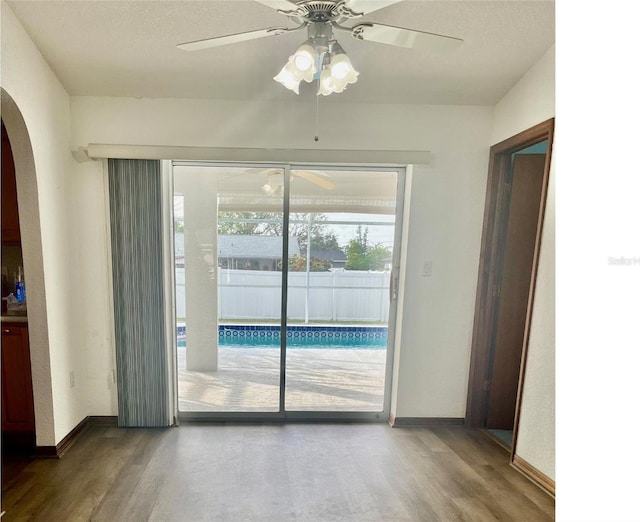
[[335, 255], [246, 247]]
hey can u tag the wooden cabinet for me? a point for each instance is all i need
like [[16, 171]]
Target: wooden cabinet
[[10, 220], [17, 389]]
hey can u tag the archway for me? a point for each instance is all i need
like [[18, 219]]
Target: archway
[[31, 237]]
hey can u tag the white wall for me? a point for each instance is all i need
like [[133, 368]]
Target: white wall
[[445, 222], [531, 101], [93, 318], [58, 295]]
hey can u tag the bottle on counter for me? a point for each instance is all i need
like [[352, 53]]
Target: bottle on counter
[[20, 290]]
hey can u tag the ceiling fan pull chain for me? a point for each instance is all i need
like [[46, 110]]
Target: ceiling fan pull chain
[[316, 138]]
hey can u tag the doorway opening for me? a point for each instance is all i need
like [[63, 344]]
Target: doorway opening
[[282, 290], [18, 410], [514, 213]]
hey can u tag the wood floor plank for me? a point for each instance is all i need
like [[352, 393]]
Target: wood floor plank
[[474, 509], [490, 463], [290, 472]]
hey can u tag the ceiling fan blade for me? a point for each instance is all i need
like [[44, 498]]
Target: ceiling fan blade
[[207, 43], [400, 37], [279, 5], [368, 6], [314, 178]]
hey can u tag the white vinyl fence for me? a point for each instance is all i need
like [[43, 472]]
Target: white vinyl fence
[[333, 296]]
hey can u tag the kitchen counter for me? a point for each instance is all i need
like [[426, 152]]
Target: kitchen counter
[[13, 319]]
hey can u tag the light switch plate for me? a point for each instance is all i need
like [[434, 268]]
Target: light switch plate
[[427, 269]]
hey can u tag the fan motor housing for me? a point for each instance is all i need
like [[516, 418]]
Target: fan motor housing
[[319, 11]]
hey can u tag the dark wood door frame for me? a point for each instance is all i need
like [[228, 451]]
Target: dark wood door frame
[[493, 235]]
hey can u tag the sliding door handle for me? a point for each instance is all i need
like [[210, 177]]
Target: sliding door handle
[[393, 285]]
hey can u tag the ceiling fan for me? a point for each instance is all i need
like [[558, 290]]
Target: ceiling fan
[[275, 180], [321, 57]]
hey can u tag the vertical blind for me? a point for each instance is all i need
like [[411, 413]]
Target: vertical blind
[[135, 197]]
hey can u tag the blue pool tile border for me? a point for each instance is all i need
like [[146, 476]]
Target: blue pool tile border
[[373, 337]]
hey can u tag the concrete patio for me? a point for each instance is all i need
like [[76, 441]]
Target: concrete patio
[[247, 380]]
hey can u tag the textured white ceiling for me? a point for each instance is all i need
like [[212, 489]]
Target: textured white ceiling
[[127, 48]]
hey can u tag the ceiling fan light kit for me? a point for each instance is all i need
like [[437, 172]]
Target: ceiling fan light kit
[[275, 180], [272, 189], [321, 57]]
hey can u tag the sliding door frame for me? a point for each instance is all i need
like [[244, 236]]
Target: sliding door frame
[[284, 415], [168, 258]]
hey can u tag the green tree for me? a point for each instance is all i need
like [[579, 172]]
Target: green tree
[[362, 256], [377, 256], [249, 223], [323, 240], [270, 224], [357, 251], [300, 224]]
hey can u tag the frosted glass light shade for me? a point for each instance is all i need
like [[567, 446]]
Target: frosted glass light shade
[[339, 84], [337, 76], [341, 68], [289, 77], [304, 61], [329, 84], [300, 66], [325, 85]]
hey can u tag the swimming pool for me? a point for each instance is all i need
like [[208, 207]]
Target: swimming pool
[[303, 336]]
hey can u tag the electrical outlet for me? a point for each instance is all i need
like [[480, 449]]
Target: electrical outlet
[[72, 379]]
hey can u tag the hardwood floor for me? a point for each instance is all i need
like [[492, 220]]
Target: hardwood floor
[[272, 472]]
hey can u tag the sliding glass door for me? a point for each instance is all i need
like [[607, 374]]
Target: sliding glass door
[[282, 289], [338, 288], [228, 261]]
